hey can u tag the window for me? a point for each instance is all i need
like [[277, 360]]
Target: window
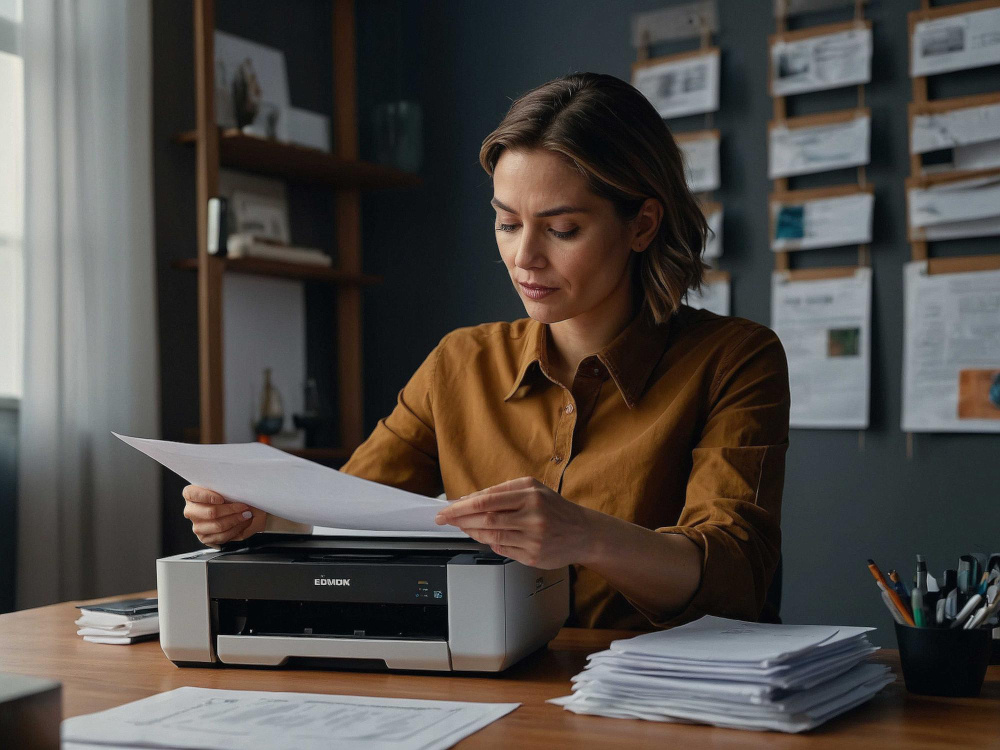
[[11, 201]]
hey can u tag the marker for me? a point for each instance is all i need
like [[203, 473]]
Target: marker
[[939, 612], [920, 577], [893, 596], [983, 614], [967, 610], [917, 602]]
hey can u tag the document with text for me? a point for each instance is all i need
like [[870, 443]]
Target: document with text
[[209, 719]]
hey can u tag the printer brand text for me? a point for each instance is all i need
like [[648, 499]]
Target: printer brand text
[[331, 581]]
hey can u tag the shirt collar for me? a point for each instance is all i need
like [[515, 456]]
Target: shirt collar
[[629, 358]]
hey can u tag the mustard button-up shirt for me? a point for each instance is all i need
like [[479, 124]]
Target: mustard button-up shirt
[[680, 427]]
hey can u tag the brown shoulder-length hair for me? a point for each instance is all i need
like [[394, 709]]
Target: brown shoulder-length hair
[[617, 140]]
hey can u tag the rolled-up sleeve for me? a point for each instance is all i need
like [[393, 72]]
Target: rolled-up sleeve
[[402, 449], [732, 508]]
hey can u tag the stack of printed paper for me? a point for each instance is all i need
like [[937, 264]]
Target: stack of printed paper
[[730, 673], [119, 622]]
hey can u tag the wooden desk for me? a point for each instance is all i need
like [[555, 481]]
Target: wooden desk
[[43, 642]]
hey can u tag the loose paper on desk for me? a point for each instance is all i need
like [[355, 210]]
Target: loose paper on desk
[[825, 327], [956, 42], [951, 351], [207, 719], [294, 488]]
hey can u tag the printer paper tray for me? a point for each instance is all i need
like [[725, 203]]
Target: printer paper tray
[[274, 650]]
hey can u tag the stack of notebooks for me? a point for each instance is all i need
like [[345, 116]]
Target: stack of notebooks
[[120, 622], [731, 673]]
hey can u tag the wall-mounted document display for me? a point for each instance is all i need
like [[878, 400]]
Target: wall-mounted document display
[[818, 143], [950, 39], [951, 350], [701, 159], [968, 126], [944, 207], [825, 217], [678, 85], [714, 294], [824, 57], [713, 243], [825, 326]]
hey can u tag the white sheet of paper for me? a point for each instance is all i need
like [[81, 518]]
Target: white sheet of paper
[[984, 155], [963, 200], [952, 323], [821, 62], [701, 162], [953, 230], [955, 127], [714, 296], [717, 640], [818, 148], [294, 488], [824, 222], [209, 719], [825, 327], [688, 86], [966, 40]]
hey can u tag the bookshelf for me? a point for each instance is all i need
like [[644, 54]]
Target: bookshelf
[[342, 172]]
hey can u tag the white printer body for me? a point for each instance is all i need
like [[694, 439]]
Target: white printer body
[[396, 603]]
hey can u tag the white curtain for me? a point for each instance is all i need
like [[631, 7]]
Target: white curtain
[[88, 506]]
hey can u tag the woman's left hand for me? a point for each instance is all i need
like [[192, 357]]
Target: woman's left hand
[[524, 520]]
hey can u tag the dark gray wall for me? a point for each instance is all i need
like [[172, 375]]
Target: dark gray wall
[[844, 501], [464, 62]]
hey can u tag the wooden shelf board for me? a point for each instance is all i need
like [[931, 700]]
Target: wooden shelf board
[[321, 454], [301, 164], [301, 271]]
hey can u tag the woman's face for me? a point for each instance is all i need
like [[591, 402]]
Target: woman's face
[[565, 248]]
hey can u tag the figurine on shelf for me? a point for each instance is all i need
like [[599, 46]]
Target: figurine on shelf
[[272, 413]]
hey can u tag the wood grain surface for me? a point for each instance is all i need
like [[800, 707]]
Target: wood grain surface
[[43, 642]]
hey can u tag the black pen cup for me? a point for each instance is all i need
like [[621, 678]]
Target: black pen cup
[[944, 661]]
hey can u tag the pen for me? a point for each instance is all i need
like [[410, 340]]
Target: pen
[[888, 603], [898, 585], [967, 610], [893, 596], [951, 605], [939, 612]]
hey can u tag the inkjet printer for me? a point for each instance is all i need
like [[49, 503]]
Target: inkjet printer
[[342, 601]]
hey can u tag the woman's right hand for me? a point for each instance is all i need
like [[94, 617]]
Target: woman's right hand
[[215, 520]]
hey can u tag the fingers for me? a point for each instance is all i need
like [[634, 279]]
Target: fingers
[[487, 501], [195, 494], [215, 539], [497, 537], [222, 525], [204, 512]]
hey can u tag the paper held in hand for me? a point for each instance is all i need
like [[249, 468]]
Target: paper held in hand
[[294, 488]]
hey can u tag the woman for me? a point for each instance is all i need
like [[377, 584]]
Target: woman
[[614, 429]]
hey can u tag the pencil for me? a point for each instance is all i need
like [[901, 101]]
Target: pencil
[[893, 596]]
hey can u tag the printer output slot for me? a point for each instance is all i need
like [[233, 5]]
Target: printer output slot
[[318, 619]]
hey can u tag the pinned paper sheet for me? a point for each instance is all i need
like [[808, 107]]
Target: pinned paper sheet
[[294, 488]]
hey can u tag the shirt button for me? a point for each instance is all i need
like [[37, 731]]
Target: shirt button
[[597, 371], [569, 408], [556, 459]]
